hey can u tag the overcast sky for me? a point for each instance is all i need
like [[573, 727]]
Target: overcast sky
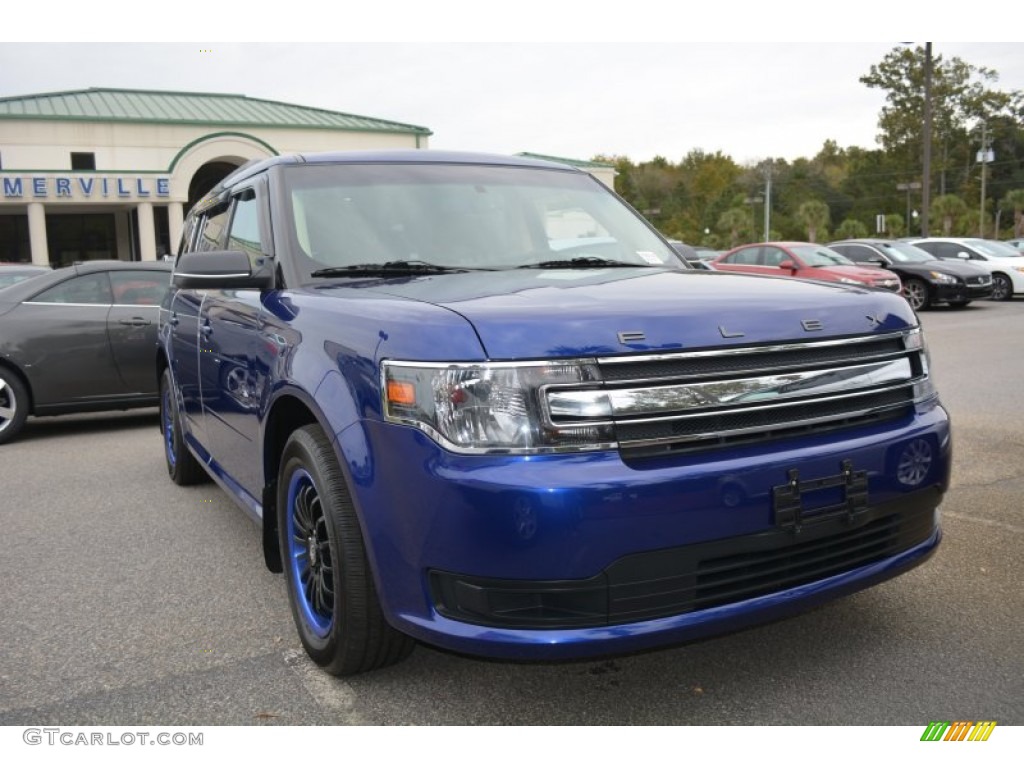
[[575, 100]]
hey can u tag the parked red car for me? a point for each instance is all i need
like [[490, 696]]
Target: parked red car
[[806, 260]]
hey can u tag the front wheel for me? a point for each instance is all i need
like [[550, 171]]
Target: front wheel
[[182, 466], [1002, 288], [333, 599], [916, 293], [13, 405]]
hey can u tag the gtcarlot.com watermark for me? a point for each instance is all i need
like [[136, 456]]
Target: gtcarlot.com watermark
[[71, 737]]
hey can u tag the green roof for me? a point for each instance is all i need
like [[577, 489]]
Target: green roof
[[567, 161], [171, 107]]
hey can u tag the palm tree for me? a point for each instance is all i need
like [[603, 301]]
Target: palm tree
[[1015, 199], [734, 220], [894, 225], [814, 215], [851, 229], [948, 208]]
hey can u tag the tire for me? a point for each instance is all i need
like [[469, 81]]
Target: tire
[[330, 586], [916, 293], [14, 405], [1002, 288], [182, 466]]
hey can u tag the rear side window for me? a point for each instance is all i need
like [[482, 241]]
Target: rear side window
[[84, 289], [138, 288]]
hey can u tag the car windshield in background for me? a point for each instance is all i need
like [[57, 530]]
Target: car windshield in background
[[904, 253], [993, 248], [462, 217], [820, 256]]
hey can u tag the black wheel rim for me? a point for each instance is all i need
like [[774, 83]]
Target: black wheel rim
[[312, 567]]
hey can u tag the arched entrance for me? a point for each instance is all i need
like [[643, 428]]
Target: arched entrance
[[206, 178]]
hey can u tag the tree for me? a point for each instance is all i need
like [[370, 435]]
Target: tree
[[961, 97], [948, 208], [734, 221], [851, 229], [814, 215], [1015, 199], [894, 225]]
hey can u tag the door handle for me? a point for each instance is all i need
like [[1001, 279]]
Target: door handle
[[137, 322]]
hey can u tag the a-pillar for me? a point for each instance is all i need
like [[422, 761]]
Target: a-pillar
[[37, 234], [147, 232]]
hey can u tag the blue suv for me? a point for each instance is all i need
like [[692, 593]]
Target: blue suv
[[479, 402]]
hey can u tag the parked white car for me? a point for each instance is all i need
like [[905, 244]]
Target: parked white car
[[1004, 261]]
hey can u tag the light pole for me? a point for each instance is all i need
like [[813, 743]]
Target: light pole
[[927, 160]]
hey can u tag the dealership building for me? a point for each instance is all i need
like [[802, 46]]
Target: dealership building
[[109, 174]]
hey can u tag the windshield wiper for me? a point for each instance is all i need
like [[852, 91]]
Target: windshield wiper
[[410, 267], [582, 262]]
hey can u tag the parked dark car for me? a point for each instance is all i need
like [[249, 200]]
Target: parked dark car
[[809, 261], [1004, 262], [15, 273], [81, 338], [926, 279], [691, 255]]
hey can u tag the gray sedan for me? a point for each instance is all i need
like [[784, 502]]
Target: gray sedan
[[82, 338]]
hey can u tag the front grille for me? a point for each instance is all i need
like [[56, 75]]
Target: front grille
[[670, 582], [705, 399]]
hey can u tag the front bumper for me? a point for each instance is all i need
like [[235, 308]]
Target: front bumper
[[960, 292], [448, 534]]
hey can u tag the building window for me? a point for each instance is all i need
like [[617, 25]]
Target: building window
[[83, 161]]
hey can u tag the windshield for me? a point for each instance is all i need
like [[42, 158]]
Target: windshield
[[820, 256], [993, 248], [905, 253], [461, 217]]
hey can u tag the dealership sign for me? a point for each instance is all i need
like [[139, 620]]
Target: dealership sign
[[84, 187]]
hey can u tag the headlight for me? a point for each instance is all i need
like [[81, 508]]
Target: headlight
[[941, 277], [850, 281], [499, 408], [924, 388]]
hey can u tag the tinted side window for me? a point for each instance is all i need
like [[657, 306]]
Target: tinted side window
[[212, 236], [138, 288], [859, 253], [84, 289], [772, 257]]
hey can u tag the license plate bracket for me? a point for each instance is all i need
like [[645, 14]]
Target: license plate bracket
[[788, 506]]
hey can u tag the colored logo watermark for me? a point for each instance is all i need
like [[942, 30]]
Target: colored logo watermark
[[961, 730]]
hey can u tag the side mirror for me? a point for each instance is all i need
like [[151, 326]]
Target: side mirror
[[788, 264], [219, 269]]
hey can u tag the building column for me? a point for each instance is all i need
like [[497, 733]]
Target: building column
[[122, 229], [147, 232], [37, 234], [175, 222]]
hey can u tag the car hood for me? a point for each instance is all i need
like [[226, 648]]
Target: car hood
[[943, 266], [520, 314]]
